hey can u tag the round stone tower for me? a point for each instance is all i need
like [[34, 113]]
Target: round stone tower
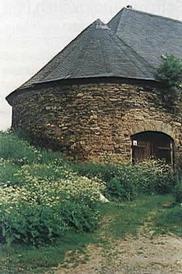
[[99, 98]]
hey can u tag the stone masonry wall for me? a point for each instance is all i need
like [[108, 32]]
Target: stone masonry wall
[[93, 121]]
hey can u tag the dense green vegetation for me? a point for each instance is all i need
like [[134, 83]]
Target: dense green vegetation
[[117, 220], [169, 73], [126, 182], [49, 206], [41, 197]]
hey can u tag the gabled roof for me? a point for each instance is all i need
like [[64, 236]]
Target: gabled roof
[[148, 34], [129, 46]]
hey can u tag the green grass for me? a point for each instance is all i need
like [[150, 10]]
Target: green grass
[[118, 220], [13, 148], [27, 259], [128, 217], [20, 152], [7, 171], [169, 221]]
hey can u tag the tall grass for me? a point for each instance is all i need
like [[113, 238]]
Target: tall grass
[[19, 151]]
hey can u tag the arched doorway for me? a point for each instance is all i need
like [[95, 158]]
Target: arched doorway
[[152, 145]]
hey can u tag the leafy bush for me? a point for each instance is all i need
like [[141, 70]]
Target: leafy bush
[[125, 182], [38, 210], [30, 224], [41, 196], [160, 177], [79, 216], [131, 181], [51, 172], [121, 189], [104, 172]]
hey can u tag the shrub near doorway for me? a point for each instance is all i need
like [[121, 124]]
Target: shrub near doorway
[[126, 182]]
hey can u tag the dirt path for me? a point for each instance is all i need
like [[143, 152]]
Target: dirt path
[[144, 255]]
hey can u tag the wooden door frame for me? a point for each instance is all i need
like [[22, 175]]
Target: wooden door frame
[[170, 140]]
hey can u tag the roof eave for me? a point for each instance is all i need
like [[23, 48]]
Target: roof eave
[[18, 91]]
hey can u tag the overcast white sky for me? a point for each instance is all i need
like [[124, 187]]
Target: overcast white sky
[[33, 31]]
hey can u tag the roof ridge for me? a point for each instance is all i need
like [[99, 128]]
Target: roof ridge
[[135, 52], [143, 59], [151, 14], [137, 56], [119, 14], [84, 53], [98, 25]]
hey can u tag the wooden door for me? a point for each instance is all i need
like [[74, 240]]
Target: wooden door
[[151, 145], [141, 151]]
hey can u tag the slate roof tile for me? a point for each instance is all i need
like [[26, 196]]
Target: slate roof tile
[[148, 34], [129, 46]]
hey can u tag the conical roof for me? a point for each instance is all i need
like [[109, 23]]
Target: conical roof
[[129, 46], [96, 52]]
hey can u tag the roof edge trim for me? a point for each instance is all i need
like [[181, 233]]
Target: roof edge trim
[[68, 81]]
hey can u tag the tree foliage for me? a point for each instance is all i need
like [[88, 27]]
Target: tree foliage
[[170, 72]]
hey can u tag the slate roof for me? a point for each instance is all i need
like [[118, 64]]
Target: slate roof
[[96, 52], [148, 34], [129, 46]]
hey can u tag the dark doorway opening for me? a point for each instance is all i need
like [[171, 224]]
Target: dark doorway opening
[[152, 145]]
